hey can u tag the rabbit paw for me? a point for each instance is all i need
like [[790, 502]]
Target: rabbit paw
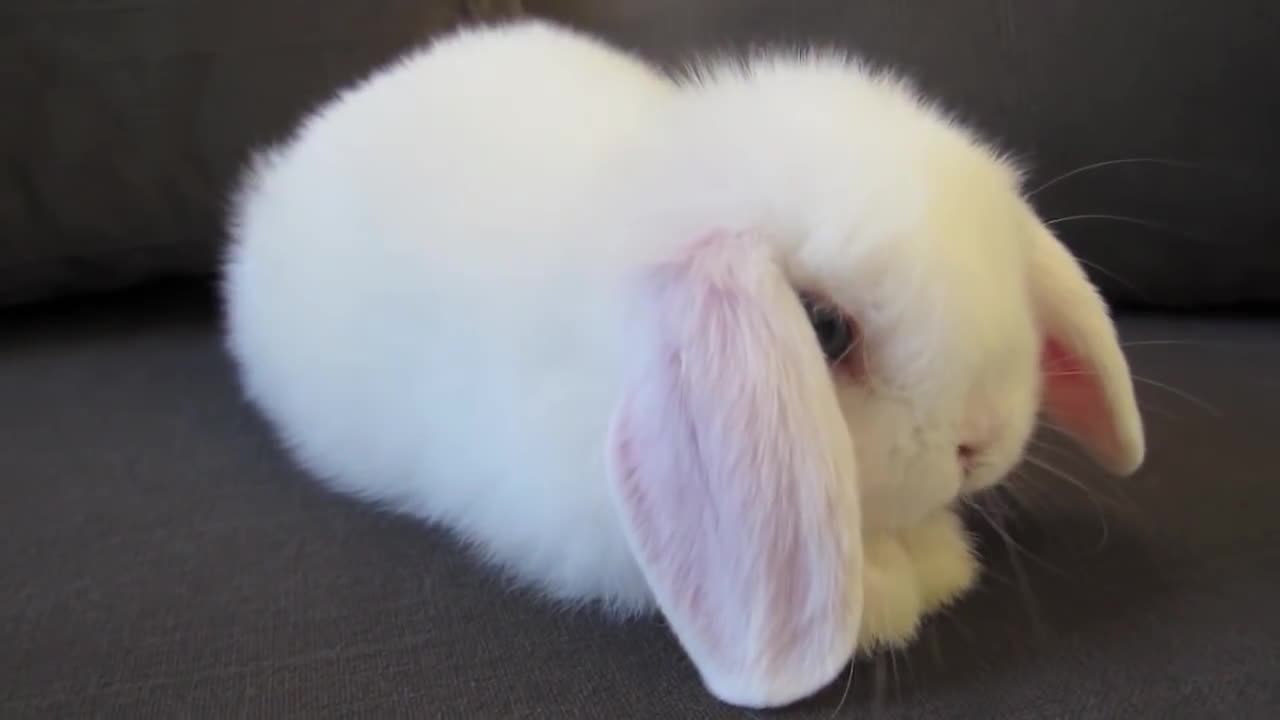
[[891, 604], [911, 574], [943, 559]]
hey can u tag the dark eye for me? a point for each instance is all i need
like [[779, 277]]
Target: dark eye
[[835, 332]]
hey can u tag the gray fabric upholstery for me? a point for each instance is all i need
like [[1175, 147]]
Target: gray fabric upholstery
[[131, 124], [135, 120], [161, 559]]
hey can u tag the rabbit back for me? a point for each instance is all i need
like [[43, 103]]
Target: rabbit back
[[413, 303]]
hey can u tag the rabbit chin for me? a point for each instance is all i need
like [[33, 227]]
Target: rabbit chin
[[910, 574]]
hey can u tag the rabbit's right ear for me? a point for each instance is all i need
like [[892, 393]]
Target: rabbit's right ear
[[734, 473], [1088, 390]]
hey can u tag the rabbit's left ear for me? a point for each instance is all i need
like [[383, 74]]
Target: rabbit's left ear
[[733, 472], [1088, 388]]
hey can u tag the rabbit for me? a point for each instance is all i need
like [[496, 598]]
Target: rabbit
[[729, 344]]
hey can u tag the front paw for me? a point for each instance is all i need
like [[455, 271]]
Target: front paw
[[911, 574], [941, 552], [892, 603]]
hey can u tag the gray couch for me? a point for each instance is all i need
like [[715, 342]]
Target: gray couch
[[161, 558]]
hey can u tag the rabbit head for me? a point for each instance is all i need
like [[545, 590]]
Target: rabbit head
[[857, 320]]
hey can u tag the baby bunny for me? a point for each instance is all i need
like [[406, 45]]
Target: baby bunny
[[726, 345]]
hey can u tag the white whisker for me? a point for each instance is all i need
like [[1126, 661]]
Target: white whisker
[[1045, 445], [1202, 404], [1011, 544], [897, 678], [881, 686], [1083, 488], [1012, 549], [1141, 343], [848, 688], [1109, 163], [1108, 273], [1151, 224], [1191, 343]]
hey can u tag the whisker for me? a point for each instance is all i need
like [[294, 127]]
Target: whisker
[[1059, 473], [897, 678], [997, 503], [1051, 425], [1192, 343], [992, 573], [1167, 162], [1028, 493], [1113, 276], [1028, 482], [1084, 490], [1202, 404], [1150, 224], [848, 688], [1023, 582], [1141, 343], [1198, 402], [935, 644], [1011, 491], [1013, 545], [1046, 445], [881, 686], [1112, 500], [1028, 595]]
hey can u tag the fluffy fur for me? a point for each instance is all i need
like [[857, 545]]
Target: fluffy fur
[[436, 294]]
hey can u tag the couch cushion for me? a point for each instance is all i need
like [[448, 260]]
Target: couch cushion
[[134, 121], [162, 558], [1064, 85]]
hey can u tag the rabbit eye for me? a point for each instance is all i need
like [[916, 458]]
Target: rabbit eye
[[835, 332]]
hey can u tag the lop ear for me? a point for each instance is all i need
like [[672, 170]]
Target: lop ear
[[1088, 389], [734, 474]]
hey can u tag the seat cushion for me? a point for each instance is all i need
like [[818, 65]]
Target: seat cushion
[[134, 122], [1192, 219], [162, 558]]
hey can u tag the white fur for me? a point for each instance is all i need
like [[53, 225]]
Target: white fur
[[423, 290]]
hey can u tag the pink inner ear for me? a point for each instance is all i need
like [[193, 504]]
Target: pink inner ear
[[1075, 400]]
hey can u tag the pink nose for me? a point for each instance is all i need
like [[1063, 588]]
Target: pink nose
[[968, 455]]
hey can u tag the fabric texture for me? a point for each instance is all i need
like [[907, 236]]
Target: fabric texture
[[162, 559], [133, 120]]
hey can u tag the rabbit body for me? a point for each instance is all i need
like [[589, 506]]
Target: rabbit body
[[410, 249], [428, 290]]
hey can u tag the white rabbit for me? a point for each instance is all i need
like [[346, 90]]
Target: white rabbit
[[726, 345]]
